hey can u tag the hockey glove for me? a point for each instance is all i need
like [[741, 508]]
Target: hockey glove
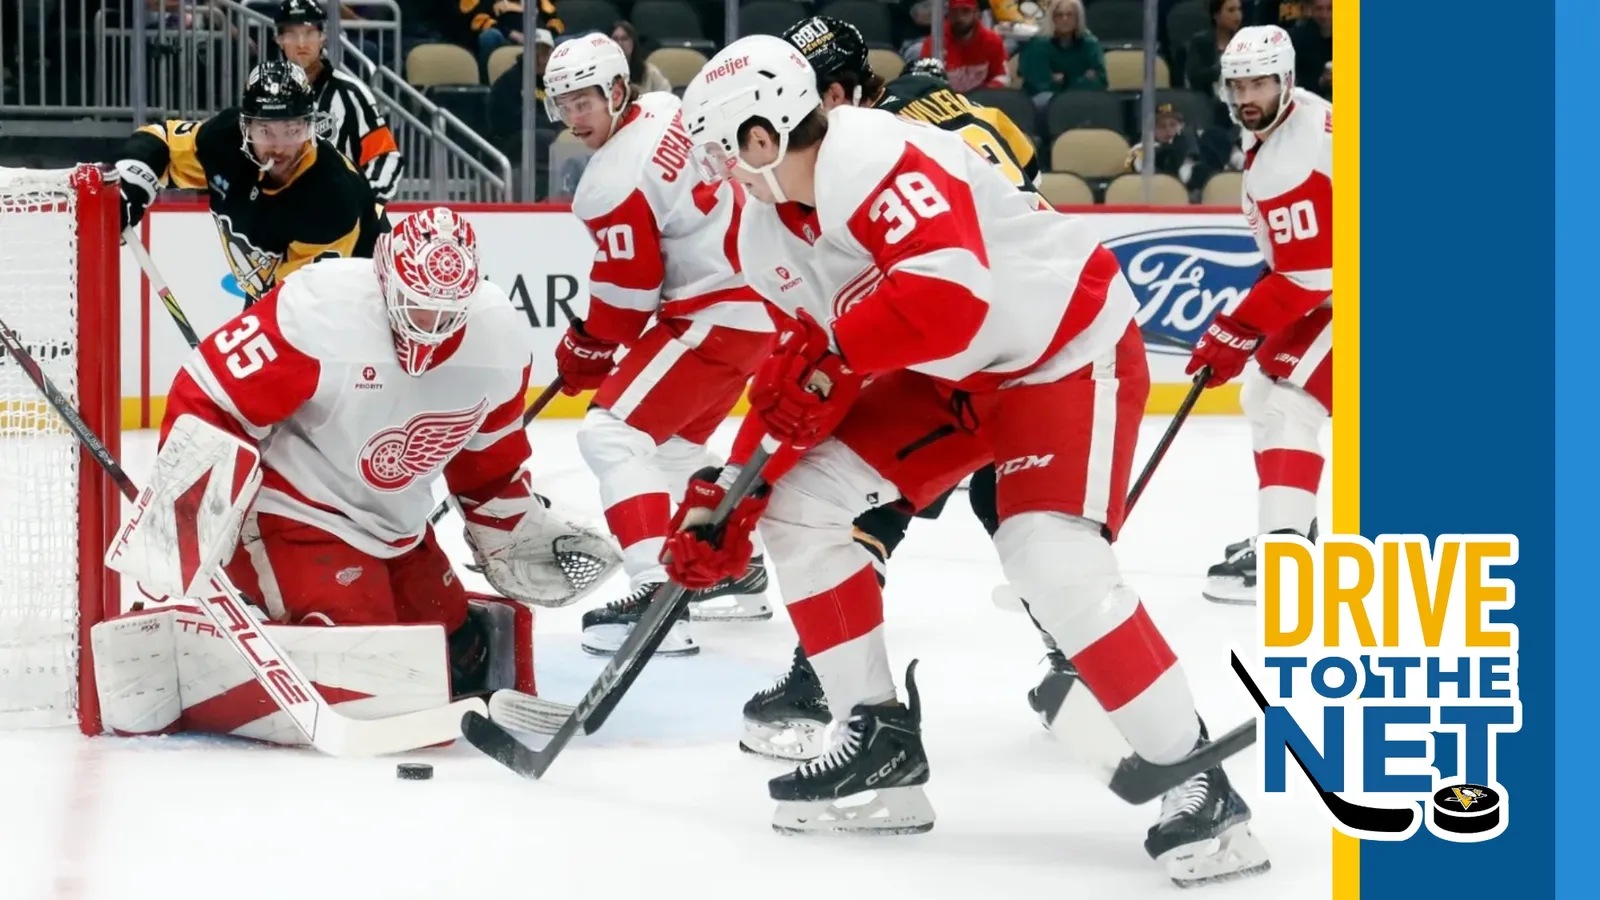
[[1226, 347], [693, 555], [804, 390], [139, 186], [583, 361], [529, 552]]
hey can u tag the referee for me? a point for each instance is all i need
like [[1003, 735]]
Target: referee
[[345, 105]]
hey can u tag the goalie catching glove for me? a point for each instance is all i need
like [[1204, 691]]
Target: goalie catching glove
[[532, 554]]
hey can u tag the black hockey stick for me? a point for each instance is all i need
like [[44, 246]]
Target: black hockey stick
[[622, 670], [1165, 443], [130, 237], [1138, 780], [1376, 819], [532, 412]]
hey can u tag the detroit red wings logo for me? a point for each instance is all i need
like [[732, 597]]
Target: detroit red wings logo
[[395, 457]]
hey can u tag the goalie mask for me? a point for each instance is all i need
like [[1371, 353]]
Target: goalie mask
[[427, 271]]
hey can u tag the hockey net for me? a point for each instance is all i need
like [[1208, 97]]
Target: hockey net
[[59, 293]]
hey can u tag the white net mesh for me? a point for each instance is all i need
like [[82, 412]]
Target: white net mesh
[[39, 605]]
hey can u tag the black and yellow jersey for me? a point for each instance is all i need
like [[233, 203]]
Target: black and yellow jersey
[[988, 130], [326, 208]]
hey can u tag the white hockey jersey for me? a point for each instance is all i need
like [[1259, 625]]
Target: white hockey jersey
[[349, 442], [666, 240], [1288, 201], [920, 255]]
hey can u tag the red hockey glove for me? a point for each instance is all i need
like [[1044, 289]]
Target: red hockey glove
[[1225, 347], [803, 391], [693, 556], [583, 361]]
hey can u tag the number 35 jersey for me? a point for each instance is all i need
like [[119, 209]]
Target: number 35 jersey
[[1288, 201], [350, 443], [665, 240], [920, 255]]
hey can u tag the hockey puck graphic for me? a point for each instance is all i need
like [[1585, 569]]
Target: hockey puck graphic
[[413, 771], [1466, 808]]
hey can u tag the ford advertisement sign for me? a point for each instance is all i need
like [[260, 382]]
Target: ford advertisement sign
[[1183, 276]]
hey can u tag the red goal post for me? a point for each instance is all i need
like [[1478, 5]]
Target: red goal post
[[60, 289]]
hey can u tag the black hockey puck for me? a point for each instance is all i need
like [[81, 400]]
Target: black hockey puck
[[1466, 809], [414, 771]]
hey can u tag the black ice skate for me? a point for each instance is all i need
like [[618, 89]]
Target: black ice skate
[[742, 599], [1234, 579], [605, 628], [1203, 835], [870, 781], [786, 720]]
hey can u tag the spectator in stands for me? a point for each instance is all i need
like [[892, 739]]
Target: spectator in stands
[[644, 76], [1313, 50], [974, 55], [505, 95], [921, 26], [1202, 57], [1068, 59], [497, 23], [1177, 152]]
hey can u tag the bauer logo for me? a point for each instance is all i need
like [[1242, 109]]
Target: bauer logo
[[1386, 678], [1183, 276]]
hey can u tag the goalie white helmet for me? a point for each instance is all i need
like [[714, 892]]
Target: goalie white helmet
[[427, 270], [757, 77], [592, 61], [1260, 51]]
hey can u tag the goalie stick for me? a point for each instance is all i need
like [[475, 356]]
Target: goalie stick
[[326, 729], [1376, 819], [620, 672]]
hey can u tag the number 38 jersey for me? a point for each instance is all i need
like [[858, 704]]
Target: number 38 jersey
[[1288, 201], [921, 255], [350, 443], [665, 240]]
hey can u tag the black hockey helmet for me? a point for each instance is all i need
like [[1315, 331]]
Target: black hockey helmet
[[300, 12], [834, 48], [928, 67], [278, 89]]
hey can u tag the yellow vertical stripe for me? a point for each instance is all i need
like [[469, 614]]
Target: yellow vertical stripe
[[1347, 337]]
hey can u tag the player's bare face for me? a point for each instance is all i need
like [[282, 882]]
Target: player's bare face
[[301, 44], [587, 114], [278, 144], [1256, 100]]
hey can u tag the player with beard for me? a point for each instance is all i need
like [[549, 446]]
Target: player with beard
[[1286, 321], [281, 196], [786, 720]]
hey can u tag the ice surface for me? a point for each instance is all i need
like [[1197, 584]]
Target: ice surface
[[662, 801]]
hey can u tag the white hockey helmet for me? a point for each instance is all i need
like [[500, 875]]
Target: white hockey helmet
[[593, 60], [1256, 51], [760, 76], [427, 270]]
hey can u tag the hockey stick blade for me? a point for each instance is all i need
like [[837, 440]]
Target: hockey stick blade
[[1375, 819], [502, 747], [525, 712], [1137, 780]]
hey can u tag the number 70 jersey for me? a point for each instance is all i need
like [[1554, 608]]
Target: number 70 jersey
[[1288, 197]]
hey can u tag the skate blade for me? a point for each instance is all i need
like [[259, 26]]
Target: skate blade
[[1229, 590], [902, 810], [605, 640], [1230, 856], [731, 608], [796, 740]]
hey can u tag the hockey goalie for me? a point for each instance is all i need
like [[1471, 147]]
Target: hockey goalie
[[299, 451]]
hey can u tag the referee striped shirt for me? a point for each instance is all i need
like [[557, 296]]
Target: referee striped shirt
[[353, 124]]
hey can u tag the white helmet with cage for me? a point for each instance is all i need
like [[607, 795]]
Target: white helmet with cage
[[427, 270], [760, 76], [593, 60], [1260, 50]]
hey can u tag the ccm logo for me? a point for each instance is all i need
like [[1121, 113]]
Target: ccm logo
[[1021, 463], [727, 68], [886, 769]]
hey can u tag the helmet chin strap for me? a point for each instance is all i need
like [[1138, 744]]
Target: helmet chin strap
[[768, 171]]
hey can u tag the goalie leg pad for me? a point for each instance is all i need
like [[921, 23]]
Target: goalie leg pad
[[167, 670]]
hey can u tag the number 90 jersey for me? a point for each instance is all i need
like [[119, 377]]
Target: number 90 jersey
[[920, 255], [665, 240], [1288, 201]]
